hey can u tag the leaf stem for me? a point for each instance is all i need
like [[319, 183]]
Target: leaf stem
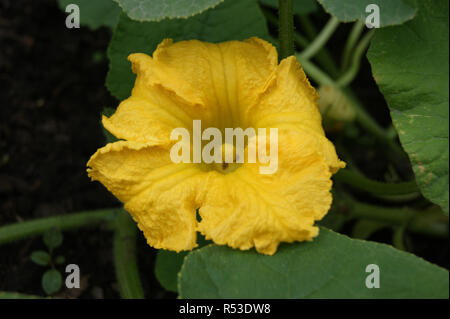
[[378, 188], [315, 72], [307, 26], [362, 116], [125, 260], [430, 222], [350, 74], [286, 31], [356, 31], [323, 57], [25, 229], [321, 39], [18, 295]]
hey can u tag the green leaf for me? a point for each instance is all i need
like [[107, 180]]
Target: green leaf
[[53, 238], [231, 20], [95, 13], [392, 12], [157, 10], [410, 65], [51, 281], [331, 266], [168, 265], [299, 7], [40, 257]]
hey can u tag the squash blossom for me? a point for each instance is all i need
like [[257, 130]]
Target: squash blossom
[[235, 84]]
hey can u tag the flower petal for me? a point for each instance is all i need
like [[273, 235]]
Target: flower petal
[[223, 79], [289, 100], [246, 209], [151, 112], [160, 195], [137, 119]]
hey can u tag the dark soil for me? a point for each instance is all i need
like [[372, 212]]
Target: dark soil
[[52, 92]]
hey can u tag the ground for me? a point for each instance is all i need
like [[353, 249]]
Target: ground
[[52, 92]]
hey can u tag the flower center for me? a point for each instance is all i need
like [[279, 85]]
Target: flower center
[[230, 159]]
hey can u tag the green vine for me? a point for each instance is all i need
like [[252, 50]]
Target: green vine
[[286, 33], [125, 260], [25, 229]]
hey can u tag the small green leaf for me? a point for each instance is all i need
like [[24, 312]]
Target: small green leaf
[[331, 266], [53, 238], [156, 10], [231, 20], [299, 7], [51, 281], [40, 257], [95, 13], [60, 260], [410, 65], [392, 12]]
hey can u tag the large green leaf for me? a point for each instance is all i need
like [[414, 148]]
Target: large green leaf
[[95, 13], [410, 65], [299, 7], [331, 266], [156, 10], [168, 265], [231, 20], [392, 12]]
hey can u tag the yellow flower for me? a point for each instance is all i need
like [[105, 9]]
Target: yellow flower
[[225, 85]]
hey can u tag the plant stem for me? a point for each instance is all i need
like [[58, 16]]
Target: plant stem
[[314, 72], [350, 74], [307, 26], [430, 222], [357, 29], [394, 151], [125, 260], [321, 39], [25, 229], [286, 31], [399, 237], [361, 182], [18, 295], [300, 40], [323, 57], [363, 118]]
